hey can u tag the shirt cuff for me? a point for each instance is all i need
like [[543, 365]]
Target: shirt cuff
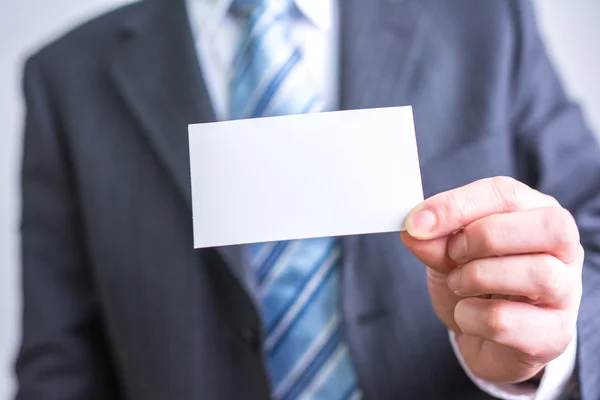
[[556, 376]]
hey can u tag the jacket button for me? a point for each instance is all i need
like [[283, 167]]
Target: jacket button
[[251, 337]]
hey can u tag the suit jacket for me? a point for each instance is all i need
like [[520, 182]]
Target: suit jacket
[[118, 305]]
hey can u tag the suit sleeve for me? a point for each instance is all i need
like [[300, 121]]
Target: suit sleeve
[[557, 154], [63, 353]]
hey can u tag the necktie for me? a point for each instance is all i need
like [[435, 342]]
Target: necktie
[[298, 281]]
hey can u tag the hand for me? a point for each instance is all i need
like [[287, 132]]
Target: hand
[[504, 273]]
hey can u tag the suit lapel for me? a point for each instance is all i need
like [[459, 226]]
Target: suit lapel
[[376, 52], [156, 72]]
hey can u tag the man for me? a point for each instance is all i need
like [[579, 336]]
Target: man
[[117, 305]]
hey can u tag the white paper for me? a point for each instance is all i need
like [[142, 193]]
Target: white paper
[[300, 176]]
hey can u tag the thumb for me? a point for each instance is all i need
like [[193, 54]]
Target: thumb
[[448, 212]]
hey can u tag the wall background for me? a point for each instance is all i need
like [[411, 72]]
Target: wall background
[[570, 27]]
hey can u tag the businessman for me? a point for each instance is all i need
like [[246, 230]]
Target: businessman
[[487, 294]]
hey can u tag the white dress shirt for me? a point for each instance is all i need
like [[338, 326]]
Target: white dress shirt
[[217, 35]]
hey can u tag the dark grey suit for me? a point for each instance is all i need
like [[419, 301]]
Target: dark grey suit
[[117, 304]]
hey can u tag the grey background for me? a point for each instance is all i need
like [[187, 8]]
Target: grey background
[[571, 29]]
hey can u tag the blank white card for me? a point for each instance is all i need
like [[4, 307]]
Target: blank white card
[[302, 176]]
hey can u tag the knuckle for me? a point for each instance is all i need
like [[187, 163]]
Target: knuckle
[[443, 205], [488, 235], [455, 207], [533, 351], [565, 332], [550, 200], [563, 342], [551, 340], [498, 319], [507, 190], [474, 276], [548, 276], [560, 224], [561, 221]]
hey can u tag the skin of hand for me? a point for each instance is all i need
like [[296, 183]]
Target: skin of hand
[[504, 268]]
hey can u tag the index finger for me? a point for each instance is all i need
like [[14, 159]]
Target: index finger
[[449, 211]]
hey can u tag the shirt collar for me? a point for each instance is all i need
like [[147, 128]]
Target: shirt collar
[[208, 14], [319, 12]]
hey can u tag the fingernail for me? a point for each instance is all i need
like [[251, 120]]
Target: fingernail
[[457, 248], [454, 280], [421, 223]]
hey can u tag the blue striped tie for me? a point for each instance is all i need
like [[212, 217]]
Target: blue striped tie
[[298, 281]]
